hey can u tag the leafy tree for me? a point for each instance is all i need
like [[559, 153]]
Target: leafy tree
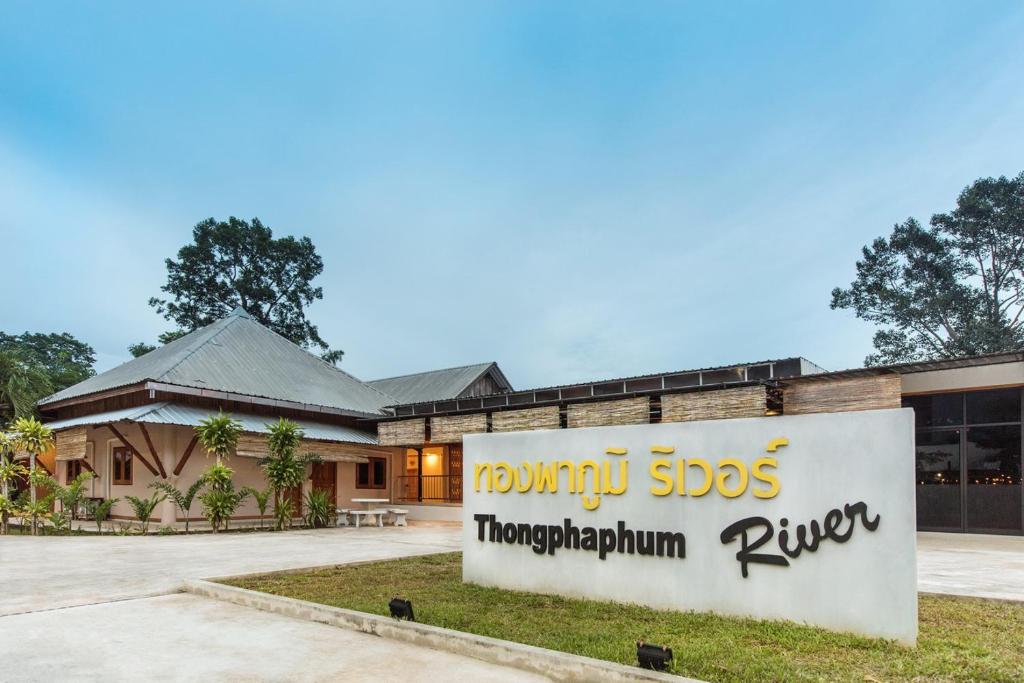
[[221, 499], [240, 263], [9, 472], [219, 435], [181, 499], [140, 349], [34, 437], [144, 507], [100, 511], [953, 289], [22, 383], [65, 359], [283, 468], [70, 496], [30, 506], [262, 499]]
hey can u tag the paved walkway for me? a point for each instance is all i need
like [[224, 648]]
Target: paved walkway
[[971, 564], [82, 608]]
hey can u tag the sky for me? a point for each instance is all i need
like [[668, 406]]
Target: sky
[[577, 190]]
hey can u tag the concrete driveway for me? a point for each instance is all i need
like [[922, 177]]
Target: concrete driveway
[[86, 608], [975, 565], [63, 571]]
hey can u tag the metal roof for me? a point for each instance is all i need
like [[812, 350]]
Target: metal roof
[[920, 366], [170, 413], [436, 385], [686, 380], [237, 354]]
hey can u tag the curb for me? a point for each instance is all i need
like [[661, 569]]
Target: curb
[[559, 666]]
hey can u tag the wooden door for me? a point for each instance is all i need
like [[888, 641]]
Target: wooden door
[[455, 473], [325, 478]]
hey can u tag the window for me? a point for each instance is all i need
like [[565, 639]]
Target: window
[[74, 468], [122, 462], [373, 474]]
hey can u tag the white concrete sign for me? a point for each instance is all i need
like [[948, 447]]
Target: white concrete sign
[[806, 518]]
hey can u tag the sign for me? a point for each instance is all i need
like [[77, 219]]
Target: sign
[[808, 518]]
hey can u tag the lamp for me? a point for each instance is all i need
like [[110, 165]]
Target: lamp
[[654, 657], [401, 609]]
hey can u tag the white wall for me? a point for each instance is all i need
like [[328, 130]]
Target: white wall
[[958, 379], [866, 585]]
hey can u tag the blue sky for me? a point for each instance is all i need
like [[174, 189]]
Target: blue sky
[[576, 190]]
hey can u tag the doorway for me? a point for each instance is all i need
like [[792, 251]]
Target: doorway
[[325, 478]]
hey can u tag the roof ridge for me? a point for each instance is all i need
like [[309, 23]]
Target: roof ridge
[[428, 372], [310, 354], [227, 323]]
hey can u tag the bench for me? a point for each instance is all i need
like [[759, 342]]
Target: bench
[[398, 516], [359, 514], [341, 516]]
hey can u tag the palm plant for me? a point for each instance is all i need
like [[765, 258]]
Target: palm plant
[[9, 472], [283, 468], [31, 507], [70, 497], [318, 509], [100, 511], [262, 499], [181, 499], [222, 499], [219, 435], [22, 383], [34, 437], [144, 507]]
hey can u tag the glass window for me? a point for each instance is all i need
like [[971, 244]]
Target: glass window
[[938, 410], [372, 474], [1001, 405], [122, 466], [993, 478], [938, 479]]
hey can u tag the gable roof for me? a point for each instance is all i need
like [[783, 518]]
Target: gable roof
[[437, 385], [237, 354]]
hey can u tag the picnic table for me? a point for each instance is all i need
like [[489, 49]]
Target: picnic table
[[370, 511]]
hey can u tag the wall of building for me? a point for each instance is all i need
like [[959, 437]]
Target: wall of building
[[957, 379]]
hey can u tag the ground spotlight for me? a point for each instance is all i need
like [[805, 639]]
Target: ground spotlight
[[653, 656], [401, 609]]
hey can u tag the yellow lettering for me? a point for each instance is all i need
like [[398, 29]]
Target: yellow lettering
[[524, 473], [723, 476], [774, 444], [570, 467], [481, 468], [581, 476], [499, 468], [608, 487], [615, 451], [681, 477], [770, 479], [709, 478], [590, 503], [546, 478], [665, 478], [663, 449]]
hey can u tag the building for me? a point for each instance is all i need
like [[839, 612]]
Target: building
[[401, 437]]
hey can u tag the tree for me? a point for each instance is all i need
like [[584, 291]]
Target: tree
[[35, 438], [144, 507], [219, 434], [22, 383], [239, 263], [283, 468], [181, 499], [262, 499], [70, 496], [66, 360], [221, 499], [100, 511], [140, 349], [10, 471], [953, 289]]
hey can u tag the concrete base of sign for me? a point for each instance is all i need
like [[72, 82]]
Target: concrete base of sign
[[558, 666]]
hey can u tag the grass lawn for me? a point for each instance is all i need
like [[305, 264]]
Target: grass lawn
[[961, 638]]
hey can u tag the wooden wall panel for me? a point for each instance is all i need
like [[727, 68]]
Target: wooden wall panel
[[402, 433], [626, 411], [838, 395], [714, 405], [71, 443], [450, 428], [525, 419], [249, 446], [255, 446]]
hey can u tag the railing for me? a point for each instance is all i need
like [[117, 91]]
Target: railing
[[428, 488]]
